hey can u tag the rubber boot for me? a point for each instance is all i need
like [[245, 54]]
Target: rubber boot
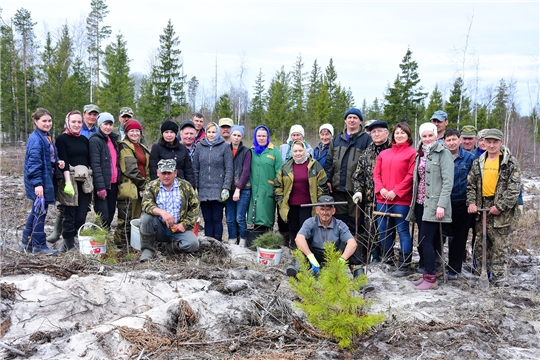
[[388, 257], [42, 248], [365, 288], [57, 231], [147, 246], [232, 241], [242, 243], [69, 245], [419, 281], [430, 282], [376, 255], [403, 268], [294, 268], [26, 245]]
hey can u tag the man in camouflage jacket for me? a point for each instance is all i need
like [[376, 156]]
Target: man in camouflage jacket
[[171, 209], [363, 183], [498, 193]]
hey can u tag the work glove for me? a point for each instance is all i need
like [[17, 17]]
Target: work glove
[[357, 197], [315, 266], [39, 205], [343, 260], [224, 195], [102, 194], [68, 189]]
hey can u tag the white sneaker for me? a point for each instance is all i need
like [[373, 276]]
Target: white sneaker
[[232, 241], [242, 243]]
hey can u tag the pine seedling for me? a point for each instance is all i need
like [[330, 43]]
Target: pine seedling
[[330, 301]]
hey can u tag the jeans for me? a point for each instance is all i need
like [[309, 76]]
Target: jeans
[[386, 224], [236, 212], [33, 235], [213, 218]]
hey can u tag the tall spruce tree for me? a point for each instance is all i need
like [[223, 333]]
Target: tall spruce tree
[[193, 88], [405, 97], [97, 33], [458, 106], [278, 116], [223, 108], [118, 89], [25, 27], [498, 115], [435, 103], [297, 93], [314, 87], [258, 103], [167, 76], [375, 111]]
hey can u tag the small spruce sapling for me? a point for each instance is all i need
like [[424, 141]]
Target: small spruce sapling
[[330, 301]]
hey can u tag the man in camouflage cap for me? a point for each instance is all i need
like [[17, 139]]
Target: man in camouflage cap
[[90, 114], [481, 145], [468, 137], [126, 114], [170, 209], [494, 183]]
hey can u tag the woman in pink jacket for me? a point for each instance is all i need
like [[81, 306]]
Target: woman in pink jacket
[[393, 177]]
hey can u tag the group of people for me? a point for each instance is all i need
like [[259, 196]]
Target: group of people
[[378, 183]]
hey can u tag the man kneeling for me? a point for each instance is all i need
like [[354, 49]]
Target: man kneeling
[[320, 229], [170, 209]]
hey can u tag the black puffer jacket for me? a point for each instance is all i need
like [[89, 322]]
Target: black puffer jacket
[[176, 151], [100, 159]]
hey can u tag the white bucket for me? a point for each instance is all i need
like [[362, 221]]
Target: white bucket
[[135, 234], [268, 256], [87, 245]]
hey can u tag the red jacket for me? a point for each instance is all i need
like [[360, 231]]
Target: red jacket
[[394, 171]]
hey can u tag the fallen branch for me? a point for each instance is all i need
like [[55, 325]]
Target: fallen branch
[[12, 349]]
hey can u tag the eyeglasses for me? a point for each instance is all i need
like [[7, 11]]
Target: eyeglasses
[[379, 131]]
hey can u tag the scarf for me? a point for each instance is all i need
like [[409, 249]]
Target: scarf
[[218, 134], [260, 148], [67, 129]]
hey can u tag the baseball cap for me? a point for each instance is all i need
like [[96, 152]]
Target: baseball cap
[[225, 122], [326, 199], [468, 131], [439, 115], [166, 165], [126, 111], [91, 107], [482, 133], [494, 134], [377, 124], [185, 123]]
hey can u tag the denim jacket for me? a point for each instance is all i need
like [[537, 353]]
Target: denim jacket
[[462, 166]]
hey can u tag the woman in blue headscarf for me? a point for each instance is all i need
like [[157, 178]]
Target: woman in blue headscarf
[[213, 167], [265, 164]]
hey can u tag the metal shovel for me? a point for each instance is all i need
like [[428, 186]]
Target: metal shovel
[[484, 281]]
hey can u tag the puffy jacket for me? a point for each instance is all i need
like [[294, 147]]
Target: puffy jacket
[[394, 171], [284, 181], [132, 181], [178, 152], [213, 167], [100, 159], [507, 189], [439, 181], [342, 158], [38, 168], [189, 209], [285, 149]]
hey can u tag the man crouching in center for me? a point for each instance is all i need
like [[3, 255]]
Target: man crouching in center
[[170, 209]]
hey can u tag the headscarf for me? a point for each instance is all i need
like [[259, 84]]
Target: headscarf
[[218, 133], [67, 129], [260, 148], [306, 155]]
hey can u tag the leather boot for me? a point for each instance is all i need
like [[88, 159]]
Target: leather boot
[[403, 267], [365, 288], [430, 282], [294, 268], [376, 255], [57, 231], [69, 245], [147, 246]]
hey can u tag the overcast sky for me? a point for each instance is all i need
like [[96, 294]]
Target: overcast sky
[[366, 40]]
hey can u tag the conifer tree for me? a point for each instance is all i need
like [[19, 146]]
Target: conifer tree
[[25, 27], [375, 111], [278, 115], [193, 88], [314, 88], [435, 103], [500, 107], [258, 103], [118, 89], [223, 108], [323, 108], [459, 114], [297, 91], [405, 96], [97, 33]]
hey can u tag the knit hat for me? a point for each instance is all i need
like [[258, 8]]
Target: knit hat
[[427, 127], [295, 129], [237, 128], [328, 127], [132, 125], [494, 134], [354, 111], [104, 116], [169, 125], [468, 131], [439, 115]]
